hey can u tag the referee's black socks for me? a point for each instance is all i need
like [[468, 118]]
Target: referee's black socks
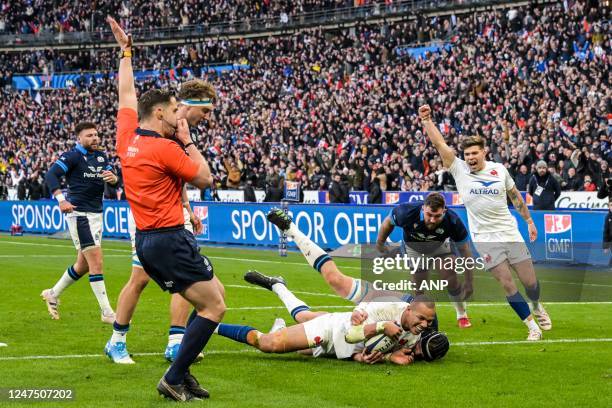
[[196, 336]]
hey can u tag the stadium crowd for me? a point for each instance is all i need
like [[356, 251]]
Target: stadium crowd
[[38, 16], [338, 110]]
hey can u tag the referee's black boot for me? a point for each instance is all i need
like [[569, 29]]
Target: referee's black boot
[[178, 393]]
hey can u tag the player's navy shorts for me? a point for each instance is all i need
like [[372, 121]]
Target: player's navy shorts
[[170, 256]]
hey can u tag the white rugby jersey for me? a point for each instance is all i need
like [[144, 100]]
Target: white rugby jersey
[[389, 311], [484, 195]]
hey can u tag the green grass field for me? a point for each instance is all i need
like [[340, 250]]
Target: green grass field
[[487, 365]]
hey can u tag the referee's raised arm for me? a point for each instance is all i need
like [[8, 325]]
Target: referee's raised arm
[[127, 91]]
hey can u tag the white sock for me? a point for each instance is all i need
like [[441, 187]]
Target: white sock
[[531, 324], [99, 289], [118, 337], [309, 249], [292, 303], [67, 279], [175, 339], [460, 309], [359, 288]]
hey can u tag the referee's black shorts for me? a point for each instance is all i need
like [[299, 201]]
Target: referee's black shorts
[[170, 256]]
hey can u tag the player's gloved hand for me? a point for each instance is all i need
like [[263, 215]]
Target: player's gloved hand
[[109, 177], [66, 207], [373, 358], [533, 231], [182, 131], [392, 330], [402, 356], [358, 317]]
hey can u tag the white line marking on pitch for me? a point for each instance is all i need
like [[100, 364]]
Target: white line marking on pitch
[[214, 352], [291, 263]]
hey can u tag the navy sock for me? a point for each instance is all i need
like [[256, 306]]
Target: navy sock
[[196, 336], [520, 306], [176, 330], [534, 293], [191, 317], [235, 332]]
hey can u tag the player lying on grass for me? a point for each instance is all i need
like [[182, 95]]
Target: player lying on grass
[[428, 229], [342, 335]]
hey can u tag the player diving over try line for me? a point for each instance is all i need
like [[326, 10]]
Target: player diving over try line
[[343, 334]]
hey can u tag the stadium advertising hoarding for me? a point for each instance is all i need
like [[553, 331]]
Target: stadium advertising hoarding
[[565, 236]]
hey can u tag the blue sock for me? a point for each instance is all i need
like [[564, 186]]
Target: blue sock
[[520, 306], [191, 317], [176, 330], [533, 293], [196, 336], [235, 332]]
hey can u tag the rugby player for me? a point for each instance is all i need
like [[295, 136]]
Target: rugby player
[[196, 102], [155, 167], [428, 229], [484, 187], [86, 169], [341, 335]]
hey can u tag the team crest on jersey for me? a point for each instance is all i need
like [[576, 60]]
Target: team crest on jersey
[[493, 172], [100, 159], [318, 340]]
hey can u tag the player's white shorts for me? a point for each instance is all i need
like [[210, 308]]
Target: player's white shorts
[[132, 231], [414, 255], [496, 247], [85, 229], [326, 333]]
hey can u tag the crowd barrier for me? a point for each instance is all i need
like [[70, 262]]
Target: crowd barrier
[[566, 236]]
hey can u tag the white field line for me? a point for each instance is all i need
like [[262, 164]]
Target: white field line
[[242, 351], [303, 264]]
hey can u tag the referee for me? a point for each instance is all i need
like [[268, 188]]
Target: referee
[[154, 169]]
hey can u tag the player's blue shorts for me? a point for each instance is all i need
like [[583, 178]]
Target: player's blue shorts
[[170, 256]]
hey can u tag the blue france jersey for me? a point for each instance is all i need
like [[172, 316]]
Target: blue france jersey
[[416, 234], [83, 172]]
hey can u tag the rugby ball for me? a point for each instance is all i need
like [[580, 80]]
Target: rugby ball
[[380, 342]]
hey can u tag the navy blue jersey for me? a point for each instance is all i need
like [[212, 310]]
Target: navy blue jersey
[[83, 172], [417, 236]]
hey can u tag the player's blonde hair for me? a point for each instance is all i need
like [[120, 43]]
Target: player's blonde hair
[[197, 89]]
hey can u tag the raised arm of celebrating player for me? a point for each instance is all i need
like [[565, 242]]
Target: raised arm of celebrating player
[[447, 154], [127, 91], [519, 204]]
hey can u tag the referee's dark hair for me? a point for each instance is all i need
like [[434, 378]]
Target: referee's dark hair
[[435, 201], [150, 99], [81, 126]]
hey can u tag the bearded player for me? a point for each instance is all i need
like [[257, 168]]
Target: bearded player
[[484, 187]]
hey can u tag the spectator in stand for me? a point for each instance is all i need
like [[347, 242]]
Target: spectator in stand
[[588, 184], [544, 188], [338, 190], [522, 178], [572, 182]]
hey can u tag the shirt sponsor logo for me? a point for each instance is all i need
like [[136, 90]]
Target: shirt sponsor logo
[[485, 189]]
